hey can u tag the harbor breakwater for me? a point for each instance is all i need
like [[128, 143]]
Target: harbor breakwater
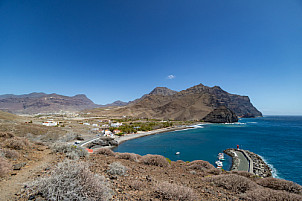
[[248, 161]]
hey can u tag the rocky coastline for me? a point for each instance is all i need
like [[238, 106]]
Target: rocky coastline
[[258, 166]]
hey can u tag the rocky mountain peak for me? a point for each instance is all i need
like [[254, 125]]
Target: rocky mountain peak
[[163, 91]]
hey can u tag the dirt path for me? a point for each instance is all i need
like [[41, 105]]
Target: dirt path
[[13, 185]]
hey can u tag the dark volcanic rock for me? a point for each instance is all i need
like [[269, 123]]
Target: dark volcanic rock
[[221, 115]]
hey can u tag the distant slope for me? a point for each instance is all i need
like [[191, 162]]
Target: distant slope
[[41, 103], [194, 103], [8, 116]]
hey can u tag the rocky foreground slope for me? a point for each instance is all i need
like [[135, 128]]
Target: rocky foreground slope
[[202, 103]]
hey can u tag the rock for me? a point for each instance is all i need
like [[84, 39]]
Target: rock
[[18, 166], [221, 115], [113, 177]]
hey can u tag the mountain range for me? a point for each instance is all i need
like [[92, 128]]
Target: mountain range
[[199, 102]]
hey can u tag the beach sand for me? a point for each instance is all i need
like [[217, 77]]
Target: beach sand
[[126, 137]]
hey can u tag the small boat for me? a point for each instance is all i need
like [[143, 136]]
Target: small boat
[[219, 164], [177, 153], [221, 157]]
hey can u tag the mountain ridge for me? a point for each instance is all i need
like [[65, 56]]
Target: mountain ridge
[[194, 103]]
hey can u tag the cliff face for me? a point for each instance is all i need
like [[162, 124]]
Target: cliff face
[[221, 115], [40, 102], [194, 103]]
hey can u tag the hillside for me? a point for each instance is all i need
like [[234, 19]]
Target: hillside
[[42, 103], [8, 116], [194, 103]]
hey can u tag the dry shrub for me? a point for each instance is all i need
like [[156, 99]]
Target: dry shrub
[[200, 165], [128, 156], [8, 153], [40, 143], [280, 184], [156, 160], [235, 183], [5, 167], [17, 143], [117, 168], [6, 135], [71, 151], [244, 174], [105, 151], [167, 191], [215, 171], [264, 194], [137, 185], [71, 181]]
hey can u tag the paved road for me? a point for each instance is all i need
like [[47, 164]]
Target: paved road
[[244, 163]]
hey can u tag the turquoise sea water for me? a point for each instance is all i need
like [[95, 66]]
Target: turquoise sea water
[[277, 139]]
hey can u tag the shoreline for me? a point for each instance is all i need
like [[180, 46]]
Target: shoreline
[[127, 137], [124, 138]]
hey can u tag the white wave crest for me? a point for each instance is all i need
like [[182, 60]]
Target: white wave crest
[[274, 170]]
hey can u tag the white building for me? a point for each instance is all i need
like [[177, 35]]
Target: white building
[[50, 123], [118, 124]]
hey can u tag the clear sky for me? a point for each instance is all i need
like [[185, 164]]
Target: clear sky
[[119, 49]]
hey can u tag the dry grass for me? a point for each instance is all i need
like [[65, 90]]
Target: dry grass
[[128, 156], [200, 165], [280, 184], [117, 168], [11, 154], [5, 167], [156, 160], [6, 135], [105, 151], [232, 182], [17, 143], [71, 181], [264, 194], [168, 191]]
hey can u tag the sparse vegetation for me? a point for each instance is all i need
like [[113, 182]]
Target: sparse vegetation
[[16, 143], [200, 165], [264, 194], [8, 153], [244, 174], [117, 168], [128, 156], [105, 151], [71, 151], [156, 160], [71, 181], [5, 167], [235, 183], [280, 184], [167, 191]]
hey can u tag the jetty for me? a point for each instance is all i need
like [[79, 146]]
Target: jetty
[[244, 160]]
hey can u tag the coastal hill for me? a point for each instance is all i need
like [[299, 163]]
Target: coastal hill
[[194, 103], [42, 103]]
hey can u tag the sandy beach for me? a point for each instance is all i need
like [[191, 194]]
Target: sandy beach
[[126, 137]]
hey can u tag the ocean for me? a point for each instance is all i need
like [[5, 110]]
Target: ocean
[[277, 139]]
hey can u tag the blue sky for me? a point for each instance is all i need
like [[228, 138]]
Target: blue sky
[[119, 49]]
